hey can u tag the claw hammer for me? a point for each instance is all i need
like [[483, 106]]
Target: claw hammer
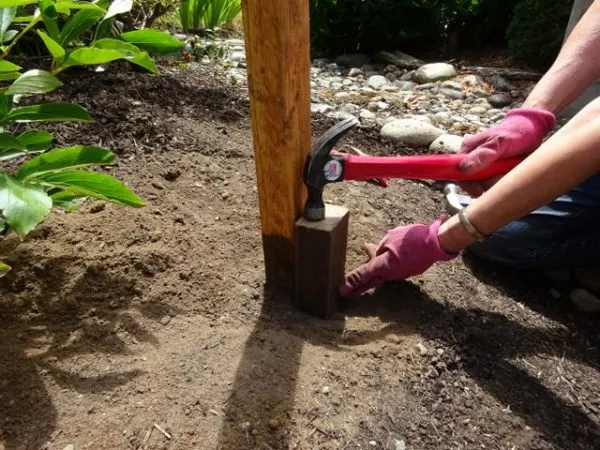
[[323, 167]]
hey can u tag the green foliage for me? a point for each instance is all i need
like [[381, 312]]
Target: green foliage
[[74, 34], [537, 30], [196, 15], [348, 26]]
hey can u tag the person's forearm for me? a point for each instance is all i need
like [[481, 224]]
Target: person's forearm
[[563, 162], [576, 67]]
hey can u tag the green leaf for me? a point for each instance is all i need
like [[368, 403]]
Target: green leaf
[[118, 7], [77, 25], [48, 112], [9, 76], [36, 140], [6, 103], [7, 66], [65, 158], [50, 18], [9, 142], [153, 41], [23, 206], [91, 56], [66, 6], [67, 200], [15, 3], [6, 17], [4, 269], [34, 81], [130, 51], [57, 52], [92, 184], [9, 36]]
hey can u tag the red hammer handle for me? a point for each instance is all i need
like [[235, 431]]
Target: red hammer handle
[[429, 167]]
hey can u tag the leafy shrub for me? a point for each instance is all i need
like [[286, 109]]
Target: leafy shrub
[[488, 23], [42, 177], [347, 26], [146, 13], [197, 15], [537, 30]]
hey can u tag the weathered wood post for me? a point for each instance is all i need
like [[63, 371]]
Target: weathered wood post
[[307, 258], [277, 36]]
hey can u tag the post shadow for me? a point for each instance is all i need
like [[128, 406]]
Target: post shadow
[[258, 413]]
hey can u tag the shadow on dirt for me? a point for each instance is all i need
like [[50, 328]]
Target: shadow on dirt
[[64, 316], [258, 413], [486, 342]]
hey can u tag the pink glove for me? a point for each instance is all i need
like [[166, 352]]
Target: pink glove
[[521, 132], [403, 252]]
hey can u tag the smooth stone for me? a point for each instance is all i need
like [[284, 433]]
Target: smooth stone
[[584, 300], [406, 85], [399, 59], [434, 72], [452, 93], [472, 80], [449, 84], [478, 110], [377, 81], [342, 115], [320, 108], [407, 76], [589, 277], [353, 60], [500, 100], [354, 72], [561, 275], [447, 143], [365, 114], [350, 108], [411, 132], [425, 87], [501, 84]]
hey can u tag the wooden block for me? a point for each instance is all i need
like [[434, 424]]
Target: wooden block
[[277, 36], [321, 261]]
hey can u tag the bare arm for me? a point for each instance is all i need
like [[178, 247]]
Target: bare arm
[[563, 162], [576, 67]]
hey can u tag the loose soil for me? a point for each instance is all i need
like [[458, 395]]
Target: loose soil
[[115, 320]]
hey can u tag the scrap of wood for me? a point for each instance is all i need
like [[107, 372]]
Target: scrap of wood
[[504, 72], [163, 431]]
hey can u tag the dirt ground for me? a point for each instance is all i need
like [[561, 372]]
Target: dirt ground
[[116, 320]]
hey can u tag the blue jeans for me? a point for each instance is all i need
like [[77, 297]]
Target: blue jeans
[[562, 234]]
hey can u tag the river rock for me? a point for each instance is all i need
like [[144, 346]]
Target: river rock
[[446, 143], [584, 300], [355, 71], [320, 108], [377, 81], [406, 85], [399, 59], [500, 100], [501, 84], [434, 72], [452, 93], [411, 132], [353, 60], [449, 84], [590, 278]]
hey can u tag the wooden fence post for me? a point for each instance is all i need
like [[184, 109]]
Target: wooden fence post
[[277, 36]]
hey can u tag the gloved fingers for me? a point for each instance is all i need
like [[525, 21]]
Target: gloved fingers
[[471, 141], [370, 250], [365, 277], [473, 188], [478, 159]]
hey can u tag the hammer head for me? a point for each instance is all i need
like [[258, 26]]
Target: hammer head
[[321, 168]]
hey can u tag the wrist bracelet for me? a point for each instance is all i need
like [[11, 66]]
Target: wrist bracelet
[[474, 232]]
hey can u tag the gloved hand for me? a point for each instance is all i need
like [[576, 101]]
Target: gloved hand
[[520, 133], [403, 252]]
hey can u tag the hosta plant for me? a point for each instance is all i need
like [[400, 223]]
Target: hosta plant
[[36, 176]]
